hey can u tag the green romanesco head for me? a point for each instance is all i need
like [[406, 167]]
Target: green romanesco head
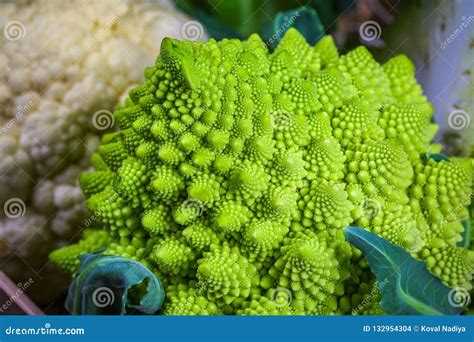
[[235, 170]]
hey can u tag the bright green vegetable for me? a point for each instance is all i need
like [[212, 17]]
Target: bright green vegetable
[[235, 172]]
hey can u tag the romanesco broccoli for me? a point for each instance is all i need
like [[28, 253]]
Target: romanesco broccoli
[[235, 171]]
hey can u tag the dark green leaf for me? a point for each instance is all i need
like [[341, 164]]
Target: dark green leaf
[[111, 285], [409, 288], [437, 157], [304, 19]]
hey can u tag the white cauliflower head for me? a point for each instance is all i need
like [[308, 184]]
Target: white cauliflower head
[[64, 67]]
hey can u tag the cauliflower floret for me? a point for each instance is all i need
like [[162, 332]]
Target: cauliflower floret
[[56, 71]]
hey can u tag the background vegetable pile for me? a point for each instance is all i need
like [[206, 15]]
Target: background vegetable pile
[[61, 62], [235, 171]]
